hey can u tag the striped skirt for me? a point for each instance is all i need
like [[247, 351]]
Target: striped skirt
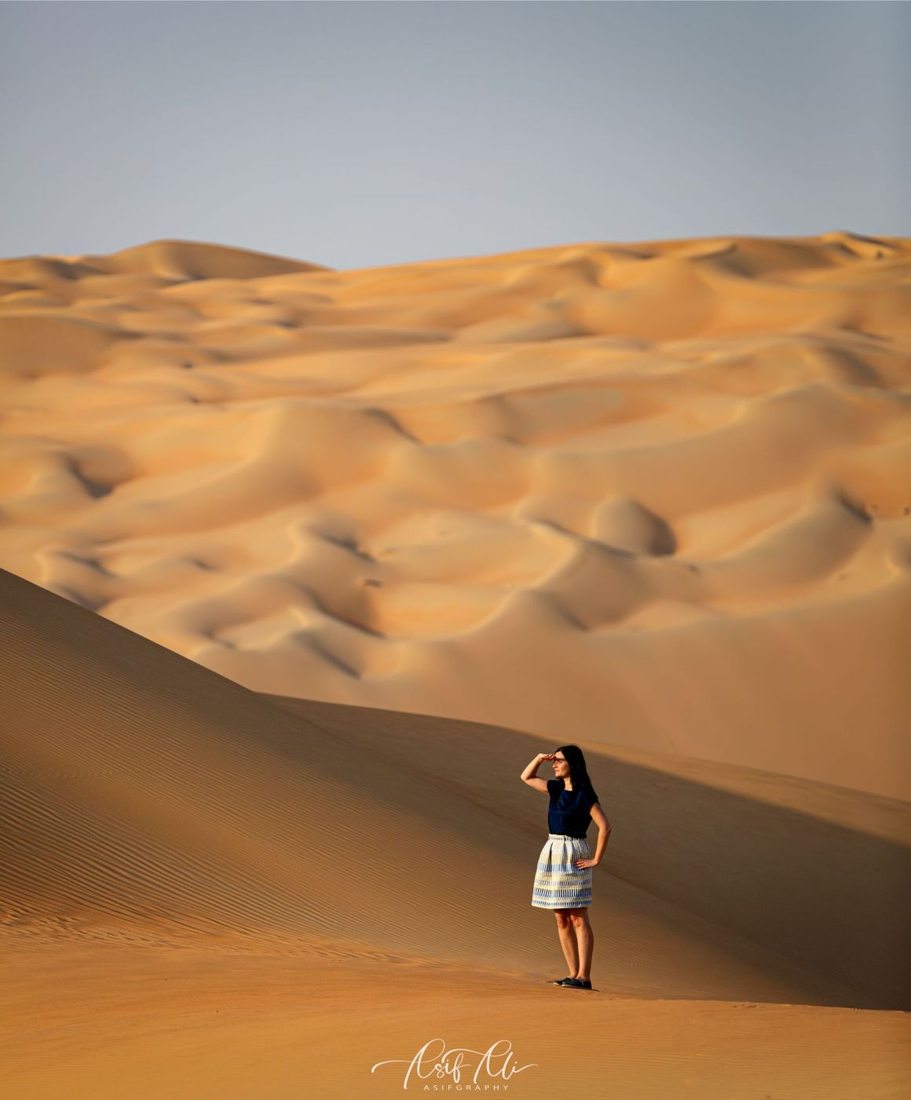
[[559, 883]]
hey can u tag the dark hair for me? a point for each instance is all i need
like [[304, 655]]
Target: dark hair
[[577, 768]]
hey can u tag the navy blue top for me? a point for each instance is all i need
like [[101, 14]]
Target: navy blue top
[[569, 811]]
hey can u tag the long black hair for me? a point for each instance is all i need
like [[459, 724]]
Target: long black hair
[[577, 769]]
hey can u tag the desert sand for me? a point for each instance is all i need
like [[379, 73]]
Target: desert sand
[[652, 495], [301, 567]]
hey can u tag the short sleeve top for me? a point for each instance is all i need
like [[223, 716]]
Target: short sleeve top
[[569, 811]]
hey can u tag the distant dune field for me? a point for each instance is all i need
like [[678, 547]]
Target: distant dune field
[[652, 495]]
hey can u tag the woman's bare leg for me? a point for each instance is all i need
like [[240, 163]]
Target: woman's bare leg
[[584, 937], [567, 935]]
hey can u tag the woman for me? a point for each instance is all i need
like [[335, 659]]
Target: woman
[[563, 880]]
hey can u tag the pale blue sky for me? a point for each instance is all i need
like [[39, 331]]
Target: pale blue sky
[[358, 134]]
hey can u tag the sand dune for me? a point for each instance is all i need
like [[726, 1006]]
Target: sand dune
[[196, 877], [300, 567], [170, 795], [653, 495]]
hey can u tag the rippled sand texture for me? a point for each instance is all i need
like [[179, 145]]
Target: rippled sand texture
[[652, 495], [208, 894]]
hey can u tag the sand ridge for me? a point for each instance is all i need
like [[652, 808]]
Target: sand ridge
[[147, 795], [186, 910]]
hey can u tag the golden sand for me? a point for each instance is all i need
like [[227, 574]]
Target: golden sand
[[376, 538]]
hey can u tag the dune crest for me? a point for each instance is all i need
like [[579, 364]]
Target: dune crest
[[652, 494]]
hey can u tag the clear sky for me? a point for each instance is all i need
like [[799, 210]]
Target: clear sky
[[361, 134]]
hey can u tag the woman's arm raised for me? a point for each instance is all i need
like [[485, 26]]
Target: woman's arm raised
[[529, 776]]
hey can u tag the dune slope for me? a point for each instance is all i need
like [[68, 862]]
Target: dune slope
[[146, 794], [210, 893]]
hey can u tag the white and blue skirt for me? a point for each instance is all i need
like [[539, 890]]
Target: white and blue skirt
[[559, 883]]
